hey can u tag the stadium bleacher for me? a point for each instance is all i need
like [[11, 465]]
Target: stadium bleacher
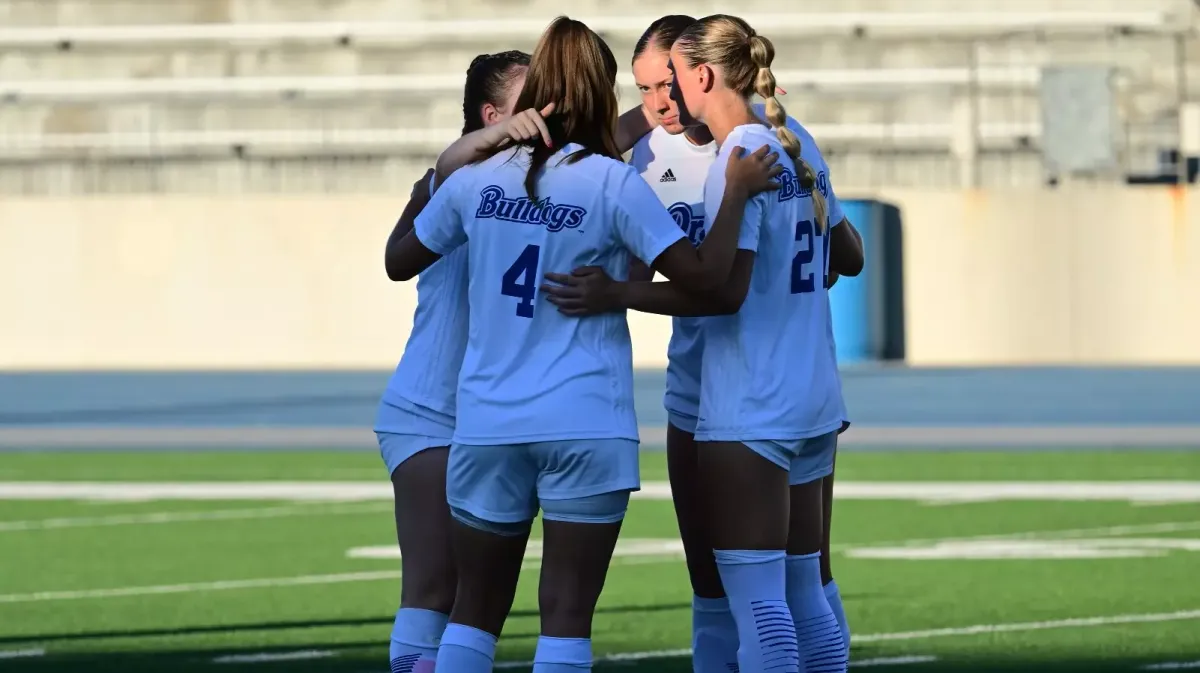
[[266, 80]]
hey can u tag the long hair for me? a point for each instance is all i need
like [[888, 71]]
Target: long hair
[[574, 69], [662, 33], [488, 80], [744, 58]]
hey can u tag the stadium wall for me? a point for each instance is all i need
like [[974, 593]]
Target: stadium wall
[[1076, 276]]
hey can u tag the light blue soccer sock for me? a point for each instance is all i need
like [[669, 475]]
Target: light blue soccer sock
[[562, 655], [714, 636], [466, 649], [755, 581], [817, 630], [835, 603], [415, 637]]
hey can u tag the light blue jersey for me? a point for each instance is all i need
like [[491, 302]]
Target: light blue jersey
[[531, 374], [419, 400], [767, 371]]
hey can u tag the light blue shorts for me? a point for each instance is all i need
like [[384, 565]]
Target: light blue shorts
[[405, 429], [806, 460], [506, 484]]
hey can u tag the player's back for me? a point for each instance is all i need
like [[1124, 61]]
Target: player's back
[[530, 373], [767, 372]]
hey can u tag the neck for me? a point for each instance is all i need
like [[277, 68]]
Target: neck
[[725, 113], [698, 135]]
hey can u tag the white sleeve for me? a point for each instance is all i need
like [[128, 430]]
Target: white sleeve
[[439, 227], [643, 225]]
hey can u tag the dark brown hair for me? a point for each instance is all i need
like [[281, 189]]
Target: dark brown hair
[[662, 33], [488, 79], [574, 69]]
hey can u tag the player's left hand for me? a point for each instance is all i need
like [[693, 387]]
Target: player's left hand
[[420, 190], [587, 290]]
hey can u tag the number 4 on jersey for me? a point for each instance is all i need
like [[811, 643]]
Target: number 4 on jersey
[[525, 267]]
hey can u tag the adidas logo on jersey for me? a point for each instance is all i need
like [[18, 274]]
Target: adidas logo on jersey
[[667, 177]]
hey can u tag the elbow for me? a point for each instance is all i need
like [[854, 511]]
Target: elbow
[[848, 264], [395, 271], [852, 269]]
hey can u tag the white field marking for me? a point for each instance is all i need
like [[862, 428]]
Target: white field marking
[[265, 583], [1087, 622], [893, 661], [1110, 531], [1081, 622], [1104, 548], [270, 657], [1172, 666], [149, 518], [995, 491], [1162, 492], [626, 547], [22, 654]]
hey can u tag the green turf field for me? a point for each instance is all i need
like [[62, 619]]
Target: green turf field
[[936, 576]]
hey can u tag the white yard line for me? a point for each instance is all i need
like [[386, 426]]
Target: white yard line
[[151, 518], [1176, 492], [1106, 531], [893, 661], [22, 654], [273, 657], [1088, 622], [1082, 622], [265, 583], [1173, 666]]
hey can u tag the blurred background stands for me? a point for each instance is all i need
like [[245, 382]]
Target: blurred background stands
[[303, 96]]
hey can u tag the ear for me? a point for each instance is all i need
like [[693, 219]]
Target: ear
[[707, 78], [489, 114]]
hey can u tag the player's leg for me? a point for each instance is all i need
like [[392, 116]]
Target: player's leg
[[417, 465], [817, 629], [746, 489], [831, 587], [714, 633], [490, 490], [584, 489]]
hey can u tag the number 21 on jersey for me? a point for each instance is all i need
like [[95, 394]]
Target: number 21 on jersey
[[520, 280], [803, 279]]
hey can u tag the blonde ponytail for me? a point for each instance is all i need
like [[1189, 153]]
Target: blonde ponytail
[[762, 53], [745, 59]]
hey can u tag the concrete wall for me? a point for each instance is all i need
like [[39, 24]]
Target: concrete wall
[[1073, 276]]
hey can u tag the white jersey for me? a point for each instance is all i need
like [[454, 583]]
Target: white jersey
[[676, 169], [768, 373], [427, 374], [531, 374]]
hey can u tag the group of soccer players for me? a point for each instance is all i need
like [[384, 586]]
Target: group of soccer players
[[531, 238]]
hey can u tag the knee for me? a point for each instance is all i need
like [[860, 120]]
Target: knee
[[430, 589], [566, 604]]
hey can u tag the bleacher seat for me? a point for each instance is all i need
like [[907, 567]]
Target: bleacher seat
[[796, 24], [102, 90], [366, 142]]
